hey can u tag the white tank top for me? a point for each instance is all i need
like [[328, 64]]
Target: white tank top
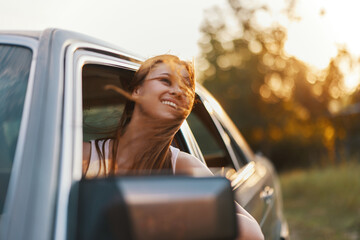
[[96, 167]]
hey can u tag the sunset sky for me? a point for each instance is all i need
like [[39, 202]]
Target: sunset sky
[[162, 26]]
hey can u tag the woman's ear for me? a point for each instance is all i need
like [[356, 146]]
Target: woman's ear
[[136, 92]]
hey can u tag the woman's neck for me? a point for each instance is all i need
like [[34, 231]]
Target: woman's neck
[[143, 134], [136, 137]]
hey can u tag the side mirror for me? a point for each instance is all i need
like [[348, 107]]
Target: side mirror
[[156, 207]]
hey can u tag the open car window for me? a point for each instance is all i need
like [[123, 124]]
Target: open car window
[[102, 109]]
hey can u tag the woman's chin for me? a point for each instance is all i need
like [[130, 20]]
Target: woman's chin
[[170, 117]]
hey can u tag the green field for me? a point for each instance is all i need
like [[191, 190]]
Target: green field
[[323, 203]]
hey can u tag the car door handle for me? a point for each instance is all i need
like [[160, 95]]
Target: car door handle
[[267, 194]]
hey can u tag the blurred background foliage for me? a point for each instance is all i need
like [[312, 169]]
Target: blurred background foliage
[[295, 114]]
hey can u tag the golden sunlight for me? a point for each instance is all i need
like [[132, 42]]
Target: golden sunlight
[[351, 80], [324, 26], [351, 75]]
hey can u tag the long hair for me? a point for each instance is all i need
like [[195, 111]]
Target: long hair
[[156, 155]]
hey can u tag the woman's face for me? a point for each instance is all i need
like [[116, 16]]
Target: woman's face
[[162, 94]]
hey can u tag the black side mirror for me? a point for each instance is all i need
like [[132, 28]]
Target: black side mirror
[[156, 207]]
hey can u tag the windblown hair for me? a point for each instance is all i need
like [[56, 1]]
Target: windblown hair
[[156, 156]]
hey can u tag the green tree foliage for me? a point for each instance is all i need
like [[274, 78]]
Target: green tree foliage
[[282, 106]]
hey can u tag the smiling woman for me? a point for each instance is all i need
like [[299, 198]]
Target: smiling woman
[[160, 97]]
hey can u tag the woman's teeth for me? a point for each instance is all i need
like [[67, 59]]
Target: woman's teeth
[[169, 103]]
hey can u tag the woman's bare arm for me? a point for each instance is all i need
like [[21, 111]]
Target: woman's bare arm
[[190, 165], [248, 226]]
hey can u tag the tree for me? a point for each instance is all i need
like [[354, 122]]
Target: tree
[[281, 105]]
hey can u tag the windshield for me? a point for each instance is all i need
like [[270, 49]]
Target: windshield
[[15, 64]]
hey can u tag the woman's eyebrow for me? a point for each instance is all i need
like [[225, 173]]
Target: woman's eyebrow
[[160, 75], [165, 73]]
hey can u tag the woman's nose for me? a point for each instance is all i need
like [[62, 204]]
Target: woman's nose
[[176, 90]]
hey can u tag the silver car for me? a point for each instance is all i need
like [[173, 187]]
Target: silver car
[[52, 98]]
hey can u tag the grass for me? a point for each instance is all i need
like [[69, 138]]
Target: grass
[[323, 203]]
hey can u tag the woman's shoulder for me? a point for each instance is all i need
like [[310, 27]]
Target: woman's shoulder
[[86, 156], [91, 156], [188, 164], [86, 150]]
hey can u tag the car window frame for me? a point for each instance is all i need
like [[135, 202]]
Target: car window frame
[[226, 123], [251, 171], [224, 136], [70, 170], [190, 142]]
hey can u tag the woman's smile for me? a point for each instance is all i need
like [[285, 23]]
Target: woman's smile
[[169, 103]]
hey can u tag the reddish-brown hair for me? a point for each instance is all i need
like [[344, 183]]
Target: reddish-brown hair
[[156, 156]]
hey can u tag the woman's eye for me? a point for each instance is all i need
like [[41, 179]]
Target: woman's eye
[[166, 81]]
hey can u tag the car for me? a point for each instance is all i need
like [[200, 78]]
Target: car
[[53, 98]]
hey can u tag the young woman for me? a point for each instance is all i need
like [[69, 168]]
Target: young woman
[[161, 96]]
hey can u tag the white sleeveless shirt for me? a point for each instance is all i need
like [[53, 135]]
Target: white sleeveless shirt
[[96, 167]]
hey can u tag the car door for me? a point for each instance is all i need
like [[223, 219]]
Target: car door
[[226, 153], [88, 69]]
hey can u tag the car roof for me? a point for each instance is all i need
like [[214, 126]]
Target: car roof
[[24, 33], [62, 36]]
